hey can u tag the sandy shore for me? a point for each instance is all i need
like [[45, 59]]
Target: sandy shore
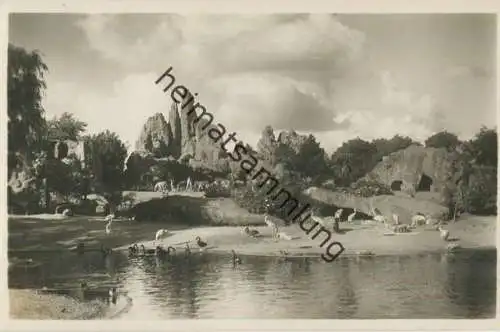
[[28, 304], [470, 232]]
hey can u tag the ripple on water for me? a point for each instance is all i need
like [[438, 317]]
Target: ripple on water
[[209, 286]]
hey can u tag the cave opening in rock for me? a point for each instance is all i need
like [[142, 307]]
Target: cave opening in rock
[[425, 183], [396, 185]]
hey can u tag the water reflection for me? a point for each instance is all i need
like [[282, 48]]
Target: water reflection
[[211, 286]]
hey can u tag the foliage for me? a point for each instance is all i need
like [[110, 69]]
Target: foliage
[[387, 146], [352, 160], [111, 153], [66, 127], [443, 139], [25, 86], [481, 197], [484, 147], [216, 189]]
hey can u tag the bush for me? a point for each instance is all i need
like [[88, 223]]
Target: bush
[[366, 188], [216, 189], [482, 191]]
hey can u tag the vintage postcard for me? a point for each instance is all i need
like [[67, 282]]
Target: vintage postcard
[[250, 165]]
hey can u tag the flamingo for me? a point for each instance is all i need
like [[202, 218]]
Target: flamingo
[[236, 259], [187, 250], [338, 214], [444, 233], [350, 218], [109, 218], [271, 224]]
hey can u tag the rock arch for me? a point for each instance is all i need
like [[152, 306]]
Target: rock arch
[[396, 185], [425, 183]]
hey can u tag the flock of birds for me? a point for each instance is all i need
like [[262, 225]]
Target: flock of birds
[[417, 220]]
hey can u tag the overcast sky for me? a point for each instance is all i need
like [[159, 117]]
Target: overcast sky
[[336, 76]]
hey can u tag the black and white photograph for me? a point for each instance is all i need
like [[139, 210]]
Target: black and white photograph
[[190, 165]]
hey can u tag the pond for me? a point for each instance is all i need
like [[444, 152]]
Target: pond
[[461, 285]]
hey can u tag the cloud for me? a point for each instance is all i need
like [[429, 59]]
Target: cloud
[[463, 71], [121, 111]]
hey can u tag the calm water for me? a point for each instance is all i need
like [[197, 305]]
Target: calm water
[[208, 286]]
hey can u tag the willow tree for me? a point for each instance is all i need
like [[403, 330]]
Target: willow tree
[[25, 87]]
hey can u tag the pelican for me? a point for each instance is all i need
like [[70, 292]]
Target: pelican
[[350, 218], [161, 234], [444, 233], [200, 243], [235, 258], [284, 236]]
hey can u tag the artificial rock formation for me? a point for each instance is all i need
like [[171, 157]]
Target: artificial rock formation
[[184, 137], [416, 169]]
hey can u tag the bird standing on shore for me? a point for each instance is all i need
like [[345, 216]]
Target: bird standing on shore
[[109, 218], [444, 233], [235, 258], [200, 243], [273, 225], [350, 218], [251, 232], [187, 250]]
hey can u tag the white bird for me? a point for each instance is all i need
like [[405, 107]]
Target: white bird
[[444, 233], [350, 218], [271, 224], [109, 219], [284, 236], [395, 217], [380, 218], [338, 213], [161, 234]]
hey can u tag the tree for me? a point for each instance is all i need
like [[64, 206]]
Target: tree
[[111, 152], [387, 146], [443, 139], [353, 160], [310, 160], [25, 86], [66, 127], [484, 147]]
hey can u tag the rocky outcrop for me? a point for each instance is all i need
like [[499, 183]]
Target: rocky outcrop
[[416, 169], [156, 136], [175, 126], [181, 138]]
